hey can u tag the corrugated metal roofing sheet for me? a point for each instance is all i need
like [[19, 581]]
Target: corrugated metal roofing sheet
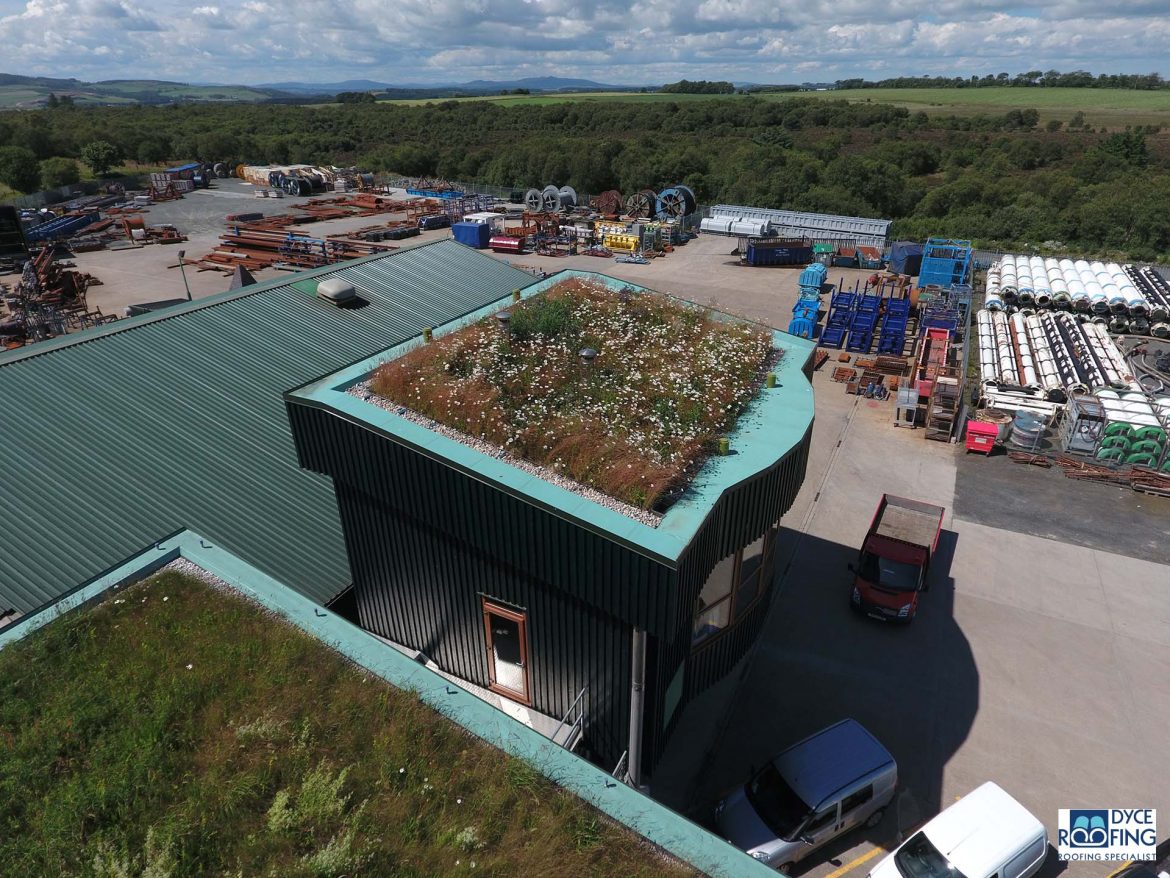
[[117, 436]]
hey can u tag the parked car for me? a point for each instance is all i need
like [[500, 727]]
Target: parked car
[[986, 834], [814, 791]]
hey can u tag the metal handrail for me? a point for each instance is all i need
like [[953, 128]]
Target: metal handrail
[[578, 722], [619, 770]]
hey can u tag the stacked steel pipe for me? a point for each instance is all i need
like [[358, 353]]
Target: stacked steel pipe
[[1050, 353], [1099, 288]]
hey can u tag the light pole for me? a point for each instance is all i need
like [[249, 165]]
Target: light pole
[[183, 272]]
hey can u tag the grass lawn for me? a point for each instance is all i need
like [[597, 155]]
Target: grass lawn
[[1110, 107], [175, 730], [635, 423]]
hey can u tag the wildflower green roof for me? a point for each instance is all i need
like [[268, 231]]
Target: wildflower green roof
[[624, 392], [774, 421]]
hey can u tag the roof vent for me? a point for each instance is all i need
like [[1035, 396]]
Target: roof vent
[[337, 291]]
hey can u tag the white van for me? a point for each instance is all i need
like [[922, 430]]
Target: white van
[[986, 834]]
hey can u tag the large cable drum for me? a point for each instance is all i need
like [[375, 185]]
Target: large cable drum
[[609, 202], [642, 205], [567, 197], [677, 201], [550, 199], [533, 201]]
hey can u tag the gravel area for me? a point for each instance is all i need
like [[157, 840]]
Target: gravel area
[[362, 391]]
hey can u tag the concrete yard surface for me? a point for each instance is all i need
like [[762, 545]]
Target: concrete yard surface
[[1041, 664]]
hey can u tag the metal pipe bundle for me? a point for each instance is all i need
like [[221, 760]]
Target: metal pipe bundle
[[1100, 287]]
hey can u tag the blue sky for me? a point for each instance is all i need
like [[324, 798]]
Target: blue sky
[[644, 42]]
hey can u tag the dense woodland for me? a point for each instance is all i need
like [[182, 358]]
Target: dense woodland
[[1001, 180]]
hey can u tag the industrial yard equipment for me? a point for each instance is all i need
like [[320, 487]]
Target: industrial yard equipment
[[771, 251], [945, 261], [677, 202], [533, 201], [642, 205], [837, 324], [981, 436], [632, 259], [550, 198], [609, 203], [893, 328], [863, 324], [567, 198]]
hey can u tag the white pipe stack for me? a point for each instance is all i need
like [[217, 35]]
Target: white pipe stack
[[1048, 374], [1117, 371], [1026, 362]]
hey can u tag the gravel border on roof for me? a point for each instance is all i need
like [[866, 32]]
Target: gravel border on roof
[[362, 391]]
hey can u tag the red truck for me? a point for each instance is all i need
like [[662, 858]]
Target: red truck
[[895, 557]]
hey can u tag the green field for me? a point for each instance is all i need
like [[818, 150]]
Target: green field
[[1101, 106], [127, 92]]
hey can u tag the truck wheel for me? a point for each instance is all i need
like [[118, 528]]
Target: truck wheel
[[786, 868], [875, 818]]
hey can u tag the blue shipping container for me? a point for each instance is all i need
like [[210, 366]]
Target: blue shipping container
[[474, 235]]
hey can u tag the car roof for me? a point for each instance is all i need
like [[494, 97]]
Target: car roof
[[980, 830], [823, 763]]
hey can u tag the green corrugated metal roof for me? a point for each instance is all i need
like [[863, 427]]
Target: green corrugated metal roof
[[117, 436]]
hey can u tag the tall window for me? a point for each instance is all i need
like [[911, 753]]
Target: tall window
[[735, 584]]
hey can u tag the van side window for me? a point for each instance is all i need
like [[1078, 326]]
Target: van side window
[[857, 799], [820, 821]]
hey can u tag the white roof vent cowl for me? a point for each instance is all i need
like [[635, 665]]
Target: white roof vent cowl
[[336, 290]]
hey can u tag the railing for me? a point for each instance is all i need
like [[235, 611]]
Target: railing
[[619, 770], [574, 729]]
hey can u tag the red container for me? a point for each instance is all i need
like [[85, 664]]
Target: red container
[[506, 244], [981, 436]]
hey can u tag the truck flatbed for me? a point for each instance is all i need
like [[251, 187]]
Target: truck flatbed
[[908, 521]]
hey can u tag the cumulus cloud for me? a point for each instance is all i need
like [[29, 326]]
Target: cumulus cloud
[[652, 41]]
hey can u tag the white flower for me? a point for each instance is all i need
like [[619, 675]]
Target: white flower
[[166, 599], [190, 667]]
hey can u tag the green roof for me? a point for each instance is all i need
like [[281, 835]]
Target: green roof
[[774, 423], [117, 436]]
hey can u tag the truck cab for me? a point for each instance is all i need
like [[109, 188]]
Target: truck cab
[[895, 557]]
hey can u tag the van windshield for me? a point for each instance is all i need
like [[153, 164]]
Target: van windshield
[[918, 858], [778, 806], [894, 575]]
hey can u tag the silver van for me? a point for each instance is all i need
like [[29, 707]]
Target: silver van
[[814, 791]]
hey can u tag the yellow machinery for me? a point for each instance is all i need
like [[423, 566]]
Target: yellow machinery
[[626, 243]]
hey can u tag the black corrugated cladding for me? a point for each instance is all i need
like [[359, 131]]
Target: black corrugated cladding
[[426, 539]]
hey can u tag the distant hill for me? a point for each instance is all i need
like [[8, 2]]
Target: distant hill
[[445, 89], [29, 92]]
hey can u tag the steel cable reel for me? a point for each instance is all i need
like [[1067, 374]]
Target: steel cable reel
[[550, 199], [642, 205], [533, 200]]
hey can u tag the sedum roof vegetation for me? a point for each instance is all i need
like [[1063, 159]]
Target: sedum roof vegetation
[[178, 731], [635, 423]]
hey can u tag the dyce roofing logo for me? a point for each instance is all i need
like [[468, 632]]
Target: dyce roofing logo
[[1107, 834], [1089, 829]]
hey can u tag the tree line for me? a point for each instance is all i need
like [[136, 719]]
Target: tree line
[[1030, 79], [1003, 180]]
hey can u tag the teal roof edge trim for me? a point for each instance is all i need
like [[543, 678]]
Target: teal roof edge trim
[[773, 423], [674, 833]]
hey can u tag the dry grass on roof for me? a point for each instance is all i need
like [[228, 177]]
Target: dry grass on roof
[[635, 424]]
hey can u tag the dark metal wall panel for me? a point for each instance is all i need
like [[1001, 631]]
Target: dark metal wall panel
[[420, 587], [595, 569]]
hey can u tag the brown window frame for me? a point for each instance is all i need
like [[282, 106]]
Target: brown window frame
[[520, 617], [736, 612]]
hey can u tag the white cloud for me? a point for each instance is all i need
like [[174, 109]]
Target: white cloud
[[648, 42]]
